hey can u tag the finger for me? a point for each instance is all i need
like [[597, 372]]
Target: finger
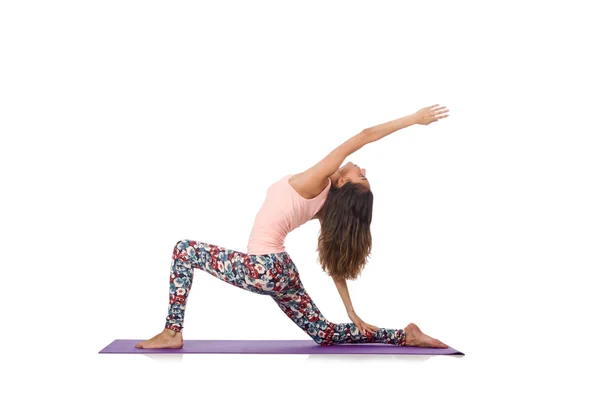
[[441, 110], [431, 107], [442, 116]]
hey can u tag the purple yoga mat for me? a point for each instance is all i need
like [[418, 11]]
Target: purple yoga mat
[[127, 346]]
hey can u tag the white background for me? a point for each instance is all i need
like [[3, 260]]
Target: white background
[[129, 125]]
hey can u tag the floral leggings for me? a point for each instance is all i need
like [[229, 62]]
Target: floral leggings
[[274, 275]]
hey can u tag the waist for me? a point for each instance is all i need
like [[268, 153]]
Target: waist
[[260, 249], [283, 256], [261, 243]]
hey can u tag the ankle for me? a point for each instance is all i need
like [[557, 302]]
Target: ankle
[[409, 330], [170, 332]]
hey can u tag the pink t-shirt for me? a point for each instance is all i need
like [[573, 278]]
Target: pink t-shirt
[[282, 211]]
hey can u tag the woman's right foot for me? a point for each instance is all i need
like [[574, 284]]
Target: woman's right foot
[[167, 339], [415, 337]]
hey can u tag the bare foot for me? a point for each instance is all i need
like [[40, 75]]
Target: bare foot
[[414, 337], [167, 339]]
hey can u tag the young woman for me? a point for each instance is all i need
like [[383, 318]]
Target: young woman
[[341, 199]]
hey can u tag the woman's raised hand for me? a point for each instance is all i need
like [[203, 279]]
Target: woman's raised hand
[[431, 114]]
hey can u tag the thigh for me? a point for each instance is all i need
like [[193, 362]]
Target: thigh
[[261, 274], [297, 304]]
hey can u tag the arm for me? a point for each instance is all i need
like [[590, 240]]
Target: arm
[[425, 116], [363, 327], [379, 131], [314, 180], [342, 288], [330, 164]]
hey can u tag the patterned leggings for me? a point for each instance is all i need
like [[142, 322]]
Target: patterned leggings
[[269, 274]]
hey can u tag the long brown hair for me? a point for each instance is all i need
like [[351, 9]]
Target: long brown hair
[[345, 238]]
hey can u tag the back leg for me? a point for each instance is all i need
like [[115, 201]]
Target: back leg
[[302, 310]]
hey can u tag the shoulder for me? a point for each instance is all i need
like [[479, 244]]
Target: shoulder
[[306, 187]]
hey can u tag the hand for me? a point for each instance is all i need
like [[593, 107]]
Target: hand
[[363, 327], [430, 114]]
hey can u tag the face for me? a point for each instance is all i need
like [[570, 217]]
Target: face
[[352, 172]]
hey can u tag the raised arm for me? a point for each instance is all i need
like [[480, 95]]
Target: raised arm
[[425, 116], [379, 131], [312, 181]]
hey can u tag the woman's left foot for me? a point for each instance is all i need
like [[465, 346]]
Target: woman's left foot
[[168, 339]]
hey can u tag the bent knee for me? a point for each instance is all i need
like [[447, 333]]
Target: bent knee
[[181, 244]]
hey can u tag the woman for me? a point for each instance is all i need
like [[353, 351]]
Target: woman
[[341, 199]]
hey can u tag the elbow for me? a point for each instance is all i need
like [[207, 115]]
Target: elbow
[[367, 136]]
